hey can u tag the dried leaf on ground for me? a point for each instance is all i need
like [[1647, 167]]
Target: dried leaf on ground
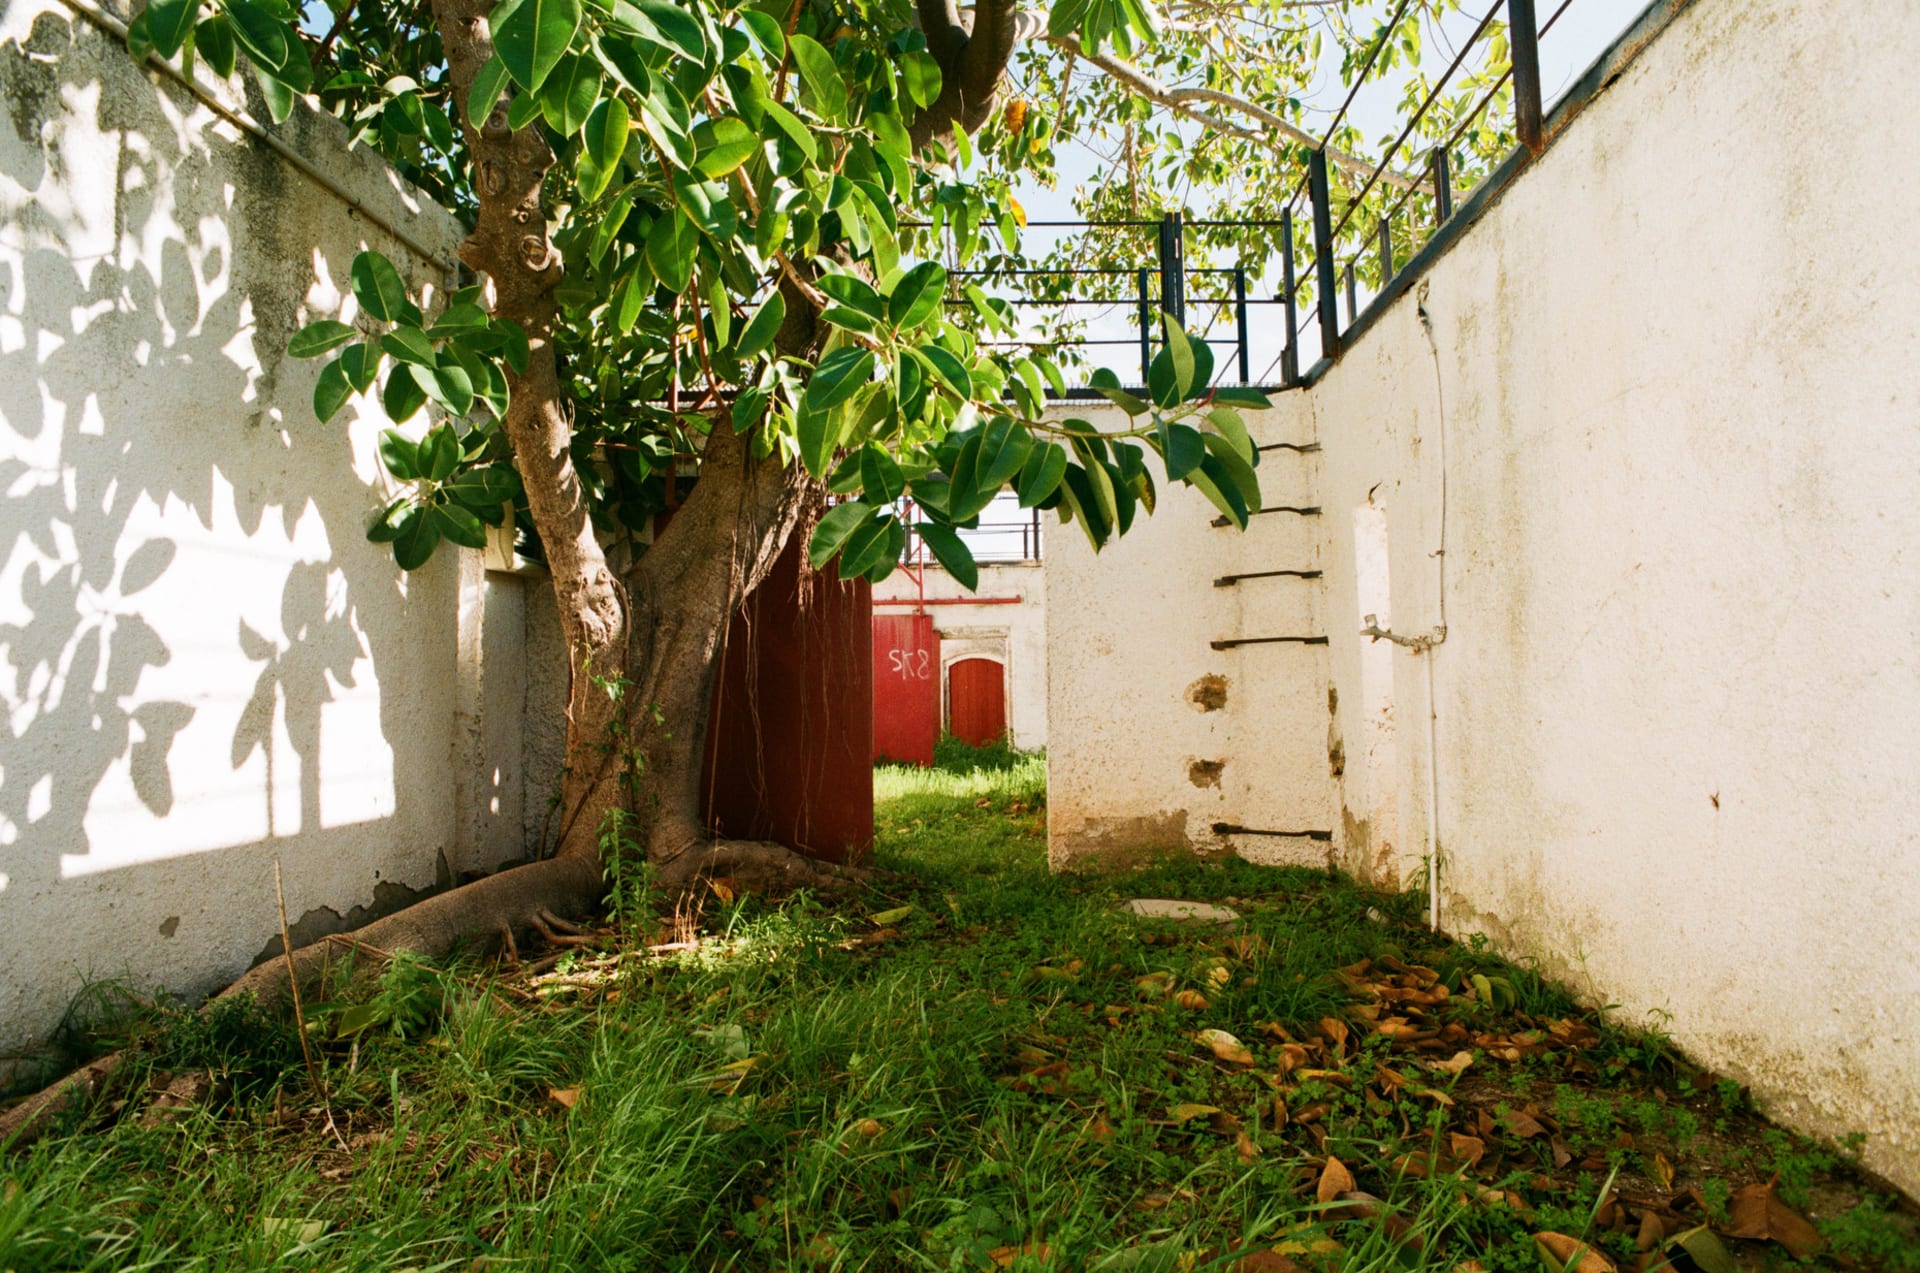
[[1186, 1113], [1226, 1047], [565, 1097], [1563, 1254], [1705, 1250], [1192, 1000], [1335, 1180], [1756, 1212]]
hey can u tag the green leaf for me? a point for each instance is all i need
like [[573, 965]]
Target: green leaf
[[1212, 480], [402, 397], [569, 93], [331, 391], [951, 371], [260, 31], [606, 140], [530, 36], [458, 526], [766, 32], [447, 383], [488, 83], [516, 349], [796, 132], [723, 144], [966, 495], [380, 291], [438, 454], [400, 454], [819, 75], [1040, 475], [815, 430], [880, 477], [831, 534], [671, 246], [1003, 450], [1237, 470], [213, 39], [866, 547], [1181, 448], [410, 345], [361, 363], [1239, 396], [951, 552], [855, 292], [1180, 350], [1705, 1250], [917, 296], [838, 377], [168, 22], [762, 327], [417, 538], [922, 76], [385, 528], [676, 28], [1105, 383], [1227, 422], [322, 336]]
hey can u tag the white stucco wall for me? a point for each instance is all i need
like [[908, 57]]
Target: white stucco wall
[[1678, 703], [1157, 737], [205, 667], [1013, 635]]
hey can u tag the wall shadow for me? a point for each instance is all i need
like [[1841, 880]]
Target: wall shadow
[[204, 667]]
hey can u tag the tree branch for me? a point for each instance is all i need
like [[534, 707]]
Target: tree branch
[[1182, 102]]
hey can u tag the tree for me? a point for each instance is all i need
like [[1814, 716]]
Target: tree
[[709, 240]]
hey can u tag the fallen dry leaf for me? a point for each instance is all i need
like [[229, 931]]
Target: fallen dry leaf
[[1335, 1180], [1467, 1150], [1267, 1262], [1226, 1047], [1563, 1254], [1186, 1113], [1453, 1064], [1004, 1256], [869, 1127], [565, 1097], [1192, 1000], [1522, 1124], [1248, 1151], [1663, 1170], [1755, 1211]]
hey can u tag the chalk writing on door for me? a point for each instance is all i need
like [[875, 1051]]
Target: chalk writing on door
[[913, 665]]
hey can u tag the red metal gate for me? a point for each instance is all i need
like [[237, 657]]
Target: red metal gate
[[789, 748], [906, 688], [977, 701]]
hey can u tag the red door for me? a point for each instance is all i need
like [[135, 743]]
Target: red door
[[906, 688], [977, 701]]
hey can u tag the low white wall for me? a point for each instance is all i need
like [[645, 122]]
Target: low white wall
[[1157, 737], [1013, 635], [1667, 419], [206, 669]]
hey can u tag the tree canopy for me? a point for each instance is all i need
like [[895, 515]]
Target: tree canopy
[[726, 173]]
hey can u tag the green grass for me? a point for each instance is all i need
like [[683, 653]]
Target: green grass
[[983, 1082]]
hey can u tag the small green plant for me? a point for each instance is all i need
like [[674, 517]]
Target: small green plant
[[958, 756], [633, 891]]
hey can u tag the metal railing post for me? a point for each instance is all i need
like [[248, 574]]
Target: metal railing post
[[1323, 253], [1173, 267], [1240, 315], [1442, 186], [1523, 34], [1386, 252], [1290, 352], [1146, 328], [1353, 295]]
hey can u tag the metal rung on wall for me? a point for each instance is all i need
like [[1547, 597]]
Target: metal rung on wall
[[1228, 828], [1313, 511], [1227, 581], [1286, 640]]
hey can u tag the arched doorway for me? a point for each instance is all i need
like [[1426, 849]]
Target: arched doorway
[[977, 700]]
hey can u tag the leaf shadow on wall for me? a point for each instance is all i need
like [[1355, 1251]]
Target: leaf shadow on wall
[[143, 315]]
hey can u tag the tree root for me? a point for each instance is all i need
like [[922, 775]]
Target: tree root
[[756, 866], [486, 914], [527, 897]]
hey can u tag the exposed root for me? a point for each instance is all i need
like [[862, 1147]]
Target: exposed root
[[23, 1124], [758, 866], [560, 925], [513, 899], [553, 938]]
